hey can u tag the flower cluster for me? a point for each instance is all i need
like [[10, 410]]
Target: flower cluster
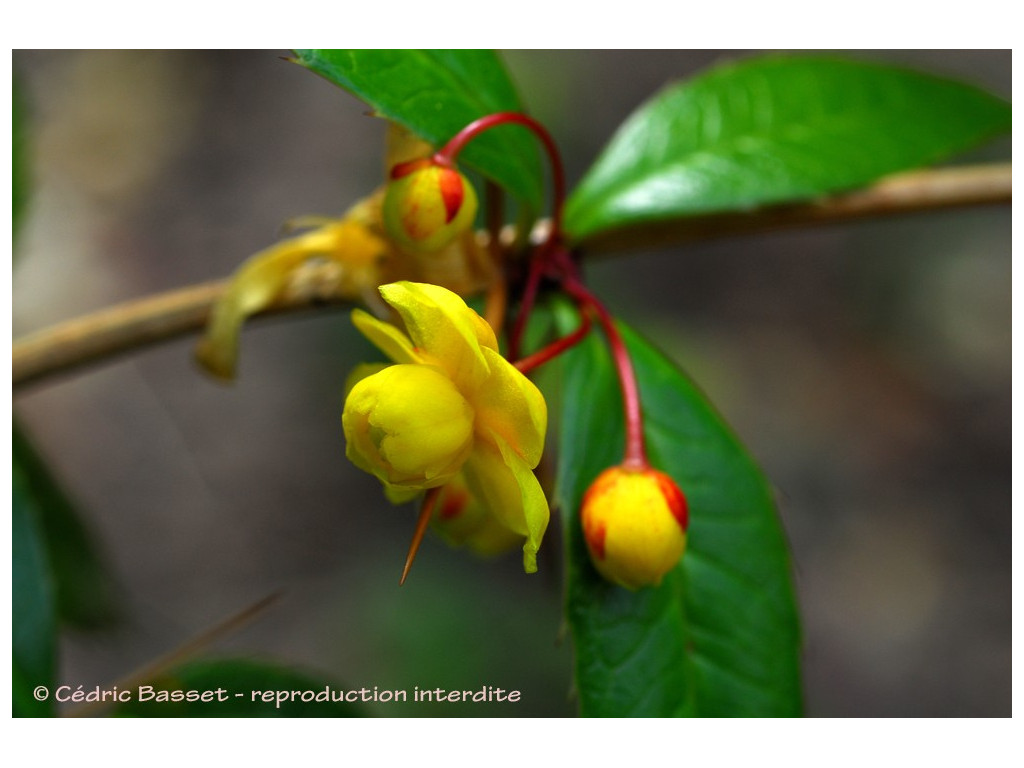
[[451, 418]]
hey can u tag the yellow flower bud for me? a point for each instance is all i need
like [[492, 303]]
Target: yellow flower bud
[[426, 206], [634, 523], [409, 426]]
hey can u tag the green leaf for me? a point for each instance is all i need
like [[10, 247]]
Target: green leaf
[[776, 129], [19, 166], [238, 678], [720, 635], [84, 590], [33, 613], [436, 94]]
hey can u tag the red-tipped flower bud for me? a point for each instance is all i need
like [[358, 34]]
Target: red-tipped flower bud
[[634, 523], [426, 206]]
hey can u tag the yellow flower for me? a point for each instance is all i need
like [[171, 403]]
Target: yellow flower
[[634, 523], [451, 404]]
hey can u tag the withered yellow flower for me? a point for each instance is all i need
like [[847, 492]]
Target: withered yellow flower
[[450, 404]]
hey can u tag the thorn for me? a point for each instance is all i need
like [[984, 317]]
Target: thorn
[[421, 528]]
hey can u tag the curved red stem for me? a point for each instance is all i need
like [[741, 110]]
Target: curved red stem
[[446, 157], [538, 261], [555, 348], [550, 255], [636, 450], [447, 154]]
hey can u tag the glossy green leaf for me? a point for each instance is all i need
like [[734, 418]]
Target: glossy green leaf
[[238, 679], [720, 635], [33, 611], [776, 129], [84, 589], [436, 94]]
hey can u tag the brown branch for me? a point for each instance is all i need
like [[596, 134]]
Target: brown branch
[[140, 323], [126, 326], [903, 193]]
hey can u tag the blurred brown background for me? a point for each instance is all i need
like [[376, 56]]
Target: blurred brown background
[[867, 366]]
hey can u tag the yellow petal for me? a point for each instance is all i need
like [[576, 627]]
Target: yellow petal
[[462, 521], [360, 372], [348, 247], [397, 495], [254, 287], [507, 487], [444, 328], [391, 341], [510, 405], [409, 426]]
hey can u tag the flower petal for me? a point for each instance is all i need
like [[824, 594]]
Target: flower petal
[[398, 495], [408, 425], [503, 482], [462, 521], [391, 341], [351, 251], [510, 405], [360, 372], [443, 327]]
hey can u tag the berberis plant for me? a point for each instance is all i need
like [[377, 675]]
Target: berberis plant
[[510, 392]]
